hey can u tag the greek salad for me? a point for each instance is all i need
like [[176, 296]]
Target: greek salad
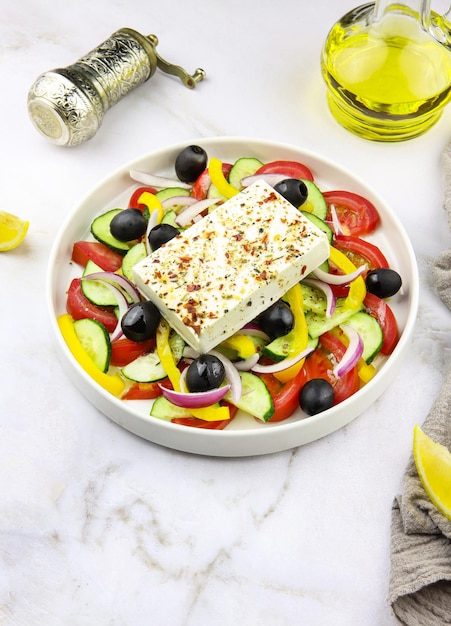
[[311, 349]]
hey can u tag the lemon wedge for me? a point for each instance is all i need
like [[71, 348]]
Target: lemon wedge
[[433, 462], [12, 231]]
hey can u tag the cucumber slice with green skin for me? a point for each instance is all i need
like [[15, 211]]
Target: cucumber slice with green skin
[[148, 368], [95, 340], [371, 333], [255, 398], [318, 323], [169, 218], [171, 192], [137, 253], [319, 223], [313, 299], [246, 166], [100, 229], [95, 290], [213, 192], [279, 349], [316, 203], [165, 410]]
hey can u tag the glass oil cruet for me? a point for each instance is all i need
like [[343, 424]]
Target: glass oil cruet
[[387, 67]]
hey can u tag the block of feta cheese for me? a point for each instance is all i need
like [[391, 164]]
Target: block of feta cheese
[[227, 268]]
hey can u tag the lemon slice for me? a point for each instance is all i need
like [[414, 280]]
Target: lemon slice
[[12, 231], [433, 462]]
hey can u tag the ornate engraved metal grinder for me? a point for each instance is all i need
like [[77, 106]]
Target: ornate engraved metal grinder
[[67, 105]]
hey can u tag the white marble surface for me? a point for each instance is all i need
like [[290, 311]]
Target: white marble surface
[[100, 527]]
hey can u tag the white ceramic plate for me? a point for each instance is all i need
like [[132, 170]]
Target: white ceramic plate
[[245, 436]]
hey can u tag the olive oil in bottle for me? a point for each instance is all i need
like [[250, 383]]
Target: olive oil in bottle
[[387, 80]]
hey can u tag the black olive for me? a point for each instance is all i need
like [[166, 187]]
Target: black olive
[[141, 320], [316, 395], [383, 282], [293, 190], [190, 163], [160, 234], [277, 320], [205, 373], [128, 225]]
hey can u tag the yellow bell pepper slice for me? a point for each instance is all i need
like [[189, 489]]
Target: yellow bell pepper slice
[[365, 371], [243, 345], [208, 414], [219, 180], [298, 336], [112, 383], [152, 203], [357, 289]]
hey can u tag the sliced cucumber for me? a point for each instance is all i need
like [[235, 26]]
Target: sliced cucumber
[[279, 349], [137, 253], [95, 290], [169, 218], [213, 192], [318, 323], [100, 229], [313, 299], [370, 331], [171, 192], [316, 204], [95, 340], [165, 410], [319, 223], [246, 166], [148, 368], [255, 398]]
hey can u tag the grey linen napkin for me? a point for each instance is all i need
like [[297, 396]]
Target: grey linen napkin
[[420, 578]]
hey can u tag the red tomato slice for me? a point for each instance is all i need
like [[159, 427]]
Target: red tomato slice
[[133, 202], [285, 396], [194, 422], [143, 391], [104, 257], [379, 309], [124, 350], [292, 169], [319, 365], [360, 252], [80, 307], [355, 213], [203, 182]]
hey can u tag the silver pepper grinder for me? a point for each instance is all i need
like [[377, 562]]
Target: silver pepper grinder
[[67, 105]]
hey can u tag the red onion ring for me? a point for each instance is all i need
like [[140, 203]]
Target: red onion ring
[[123, 305], [196, 400], [232, 375], [337, 227], [156, 181], [326, 289], [177, 202], [353, 352], [339, 279], [118, 280], [254, 332], [281, 365], [186, 216], [247, 364]]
